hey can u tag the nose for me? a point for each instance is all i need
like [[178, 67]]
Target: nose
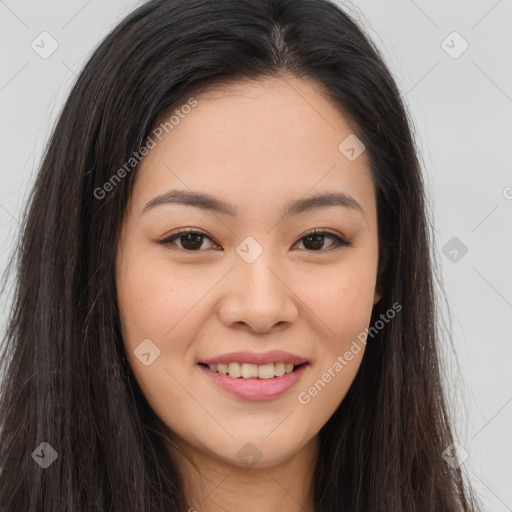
[[258, 297]]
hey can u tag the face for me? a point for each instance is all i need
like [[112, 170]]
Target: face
[[253, 278]]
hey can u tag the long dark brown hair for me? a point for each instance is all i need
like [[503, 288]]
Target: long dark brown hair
[[66, 380]]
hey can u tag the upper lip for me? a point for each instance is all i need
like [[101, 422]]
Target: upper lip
[[274, 356]]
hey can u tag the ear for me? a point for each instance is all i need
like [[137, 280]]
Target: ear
[[378, 293], [383, 259]]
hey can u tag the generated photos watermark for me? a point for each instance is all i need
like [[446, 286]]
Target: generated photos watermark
[[151, 143], [304, 397]]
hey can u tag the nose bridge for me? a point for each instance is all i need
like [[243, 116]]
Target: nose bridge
[[258, 295], [259, 275], [255, 267]]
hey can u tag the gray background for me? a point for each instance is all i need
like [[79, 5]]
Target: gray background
[[462, 113]]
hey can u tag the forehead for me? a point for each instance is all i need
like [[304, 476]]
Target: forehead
[[257, 144]]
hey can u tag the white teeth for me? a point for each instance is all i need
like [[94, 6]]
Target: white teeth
[[266, 371], [235, 370], [252, 371], [279, 369], [249, 371]]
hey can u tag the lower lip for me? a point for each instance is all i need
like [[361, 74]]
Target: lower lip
[[255, 389]]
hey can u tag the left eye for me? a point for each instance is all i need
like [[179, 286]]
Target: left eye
[[192, 240], [316, 237]]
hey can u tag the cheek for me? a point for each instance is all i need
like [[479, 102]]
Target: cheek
[[151, 299], [340, 297], [151, 310], [342, 302]]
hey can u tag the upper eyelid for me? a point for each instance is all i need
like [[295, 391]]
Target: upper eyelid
[[200, 232]]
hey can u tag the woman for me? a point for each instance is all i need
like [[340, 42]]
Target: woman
[[225, 291]]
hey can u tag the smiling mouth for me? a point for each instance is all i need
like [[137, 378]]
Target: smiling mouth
[[253, 371]]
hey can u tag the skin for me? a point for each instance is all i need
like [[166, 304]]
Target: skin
[[257, 145]]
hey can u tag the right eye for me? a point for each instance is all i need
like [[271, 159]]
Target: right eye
[[191, 240]]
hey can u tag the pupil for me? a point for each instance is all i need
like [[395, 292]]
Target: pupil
[[318, 241], [190, 239]]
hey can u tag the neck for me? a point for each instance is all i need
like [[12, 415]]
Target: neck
[[213, 485]]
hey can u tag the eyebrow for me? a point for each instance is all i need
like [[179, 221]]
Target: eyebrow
[[208, 202]]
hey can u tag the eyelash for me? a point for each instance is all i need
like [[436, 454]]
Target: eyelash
[[168, 242]]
